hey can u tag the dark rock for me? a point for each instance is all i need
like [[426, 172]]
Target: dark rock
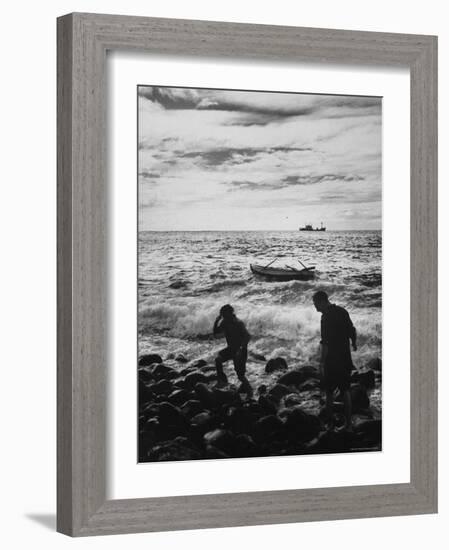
[[192, 407], [226, 397], [181, 358], [299, 424], [267, 405], [213, 452], [245, 446], [279, 363], [199, 363], [160, 371], [179, 397], [365, 378], [149, 358], [204, 422], [193, 378], [178, 449], [186, 371], [224, 440], [257, 356], [268, 428], [169, 413], [205, 395], [360, 398], [375, 364], [278, 391], [240, 420], [371, 428], [293, 399], [298, 376], [144, 374], [262, 389], [145, 393], [331, 442], [162, 387]]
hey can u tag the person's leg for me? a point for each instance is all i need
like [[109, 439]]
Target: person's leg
[[330, 407], [222, 379], [347, 400], [240, 369]]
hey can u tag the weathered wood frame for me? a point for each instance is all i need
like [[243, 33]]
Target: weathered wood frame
[[83, 40]]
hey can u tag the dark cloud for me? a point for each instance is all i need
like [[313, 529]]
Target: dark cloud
[[288, 181], [149, 175], [237, 155]]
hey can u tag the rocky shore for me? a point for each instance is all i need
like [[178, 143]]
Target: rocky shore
[[183, 416]]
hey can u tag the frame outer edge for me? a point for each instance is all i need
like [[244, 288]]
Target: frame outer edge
[[424, 275], [82, 224], [64, 275]]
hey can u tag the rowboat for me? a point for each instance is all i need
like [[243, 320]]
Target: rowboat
[[283, 274]]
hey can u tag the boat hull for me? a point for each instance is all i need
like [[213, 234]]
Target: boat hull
[[278, 274]]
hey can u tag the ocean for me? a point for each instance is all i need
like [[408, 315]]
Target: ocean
[[185, 277]]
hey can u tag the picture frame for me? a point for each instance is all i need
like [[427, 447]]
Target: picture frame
[[83, 41]]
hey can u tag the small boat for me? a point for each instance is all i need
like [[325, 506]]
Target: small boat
[[283, 274]]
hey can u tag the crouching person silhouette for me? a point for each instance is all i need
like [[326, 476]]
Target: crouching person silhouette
[[237, 338]]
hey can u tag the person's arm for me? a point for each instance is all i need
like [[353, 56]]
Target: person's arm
[[246, 337], [352, 333], [217, 326]]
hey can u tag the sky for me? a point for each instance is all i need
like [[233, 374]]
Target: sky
[[244, 160]]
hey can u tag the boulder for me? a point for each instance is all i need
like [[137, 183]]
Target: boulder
[[149, 358], [262, 389], [204, 422], [205, 395], [375, 364], [278, 391], [245, 446], [268, 428], [192, 407], [299, 424], [193, 378], [181, 358], [292, 399], [365, 378], [239, 420], [178, 449], [257, 356], [163, 387], [179, 397], [144, 374], [278, 363], [160, 371], [360, 398], [226, 396], [224, 440], [298, 376], [199, 363], [267, 405], [145, 393]]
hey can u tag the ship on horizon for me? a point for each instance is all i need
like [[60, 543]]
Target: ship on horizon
[[308, 227]]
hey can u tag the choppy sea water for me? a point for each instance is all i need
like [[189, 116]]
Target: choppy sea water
[[185, 277]]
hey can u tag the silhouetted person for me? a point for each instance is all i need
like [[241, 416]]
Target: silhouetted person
[[237, 338], [337, 331]]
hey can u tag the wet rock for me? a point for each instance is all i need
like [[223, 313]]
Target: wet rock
[[199, 363], [181, 358], [160, 371], [226, 396], [309, 385], [268, 428], [145, 375], [293, 399], [204, 422], [213, 452], [330, 442], [298, 376], [145, 393], [169, 413], [365, 378], [375, 364], [278, 363], [257, 356], [245, 446], [262, 389], [224, 440], [179, 397], [194, 378], [239, 420], [163, 387], [278, 391], [369, 428], [149, 358], [178, 449], [186, 371], [192, 407], [299, 424], [205, 395], [267, 405], [360, 398]]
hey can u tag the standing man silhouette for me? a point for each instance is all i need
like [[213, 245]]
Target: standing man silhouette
[[337, 331]]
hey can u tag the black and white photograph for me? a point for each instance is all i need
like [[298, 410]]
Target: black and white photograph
[[259, 273]]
